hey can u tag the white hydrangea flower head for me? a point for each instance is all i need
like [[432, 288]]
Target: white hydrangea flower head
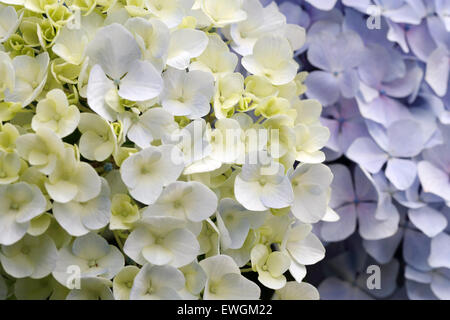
[[157, 148]]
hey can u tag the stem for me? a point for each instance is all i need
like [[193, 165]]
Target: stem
[[209, 28], [247, 270], [119, 242], [83, 108]]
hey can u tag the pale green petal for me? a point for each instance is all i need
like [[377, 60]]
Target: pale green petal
[[123, 282]]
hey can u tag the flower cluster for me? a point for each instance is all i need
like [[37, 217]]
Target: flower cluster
[[147, 151], [381, 69]]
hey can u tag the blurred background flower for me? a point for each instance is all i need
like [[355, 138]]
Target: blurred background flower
[[381, 70]]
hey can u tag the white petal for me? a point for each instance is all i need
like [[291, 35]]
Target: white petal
[[90, 246], [142, 82], [44, 257], [136, 241], [248, 194], [68, 216], [308, 251], [200, 203], [233, 286], [113, 262], [10, 230], [88, 182], [278, 195], [19, 266], [98, 87], [61, 191], [185, 44], [218, 266], [297, 270], [184, 246], [157, 254], [98, 210]]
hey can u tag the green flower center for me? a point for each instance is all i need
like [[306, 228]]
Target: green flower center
[[25, 250], [263, 181], [14, 206], [92, 264], [177, 204]]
